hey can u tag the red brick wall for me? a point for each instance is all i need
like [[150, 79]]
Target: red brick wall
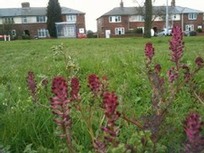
[[32, 28], [105, 25]]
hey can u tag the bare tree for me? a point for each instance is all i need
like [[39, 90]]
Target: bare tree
[[148, 19]]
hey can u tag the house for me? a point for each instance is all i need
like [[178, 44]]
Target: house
[[31, 22], [124, 20]]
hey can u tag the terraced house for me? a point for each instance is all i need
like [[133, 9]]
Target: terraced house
[[31, 22], [123, 20]]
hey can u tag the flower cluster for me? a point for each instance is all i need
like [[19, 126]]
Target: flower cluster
[[149, 51], [97, 86], [193, 127], [59, 102], [110, 103], [172, 75], [199, 62], [74, 93], [176, 44], [94, 84], [32, 85]]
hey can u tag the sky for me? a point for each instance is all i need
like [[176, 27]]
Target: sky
[[95, 8]]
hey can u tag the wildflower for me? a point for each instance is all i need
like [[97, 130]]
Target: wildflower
[[60, 88], [100, 147], [199, 61], [157, 68], [176, 44], [60, 107], [187, 74], [110, 103], [149, 51], [32, 85], [193, 127], [74, 88], [94, 84], [172, 74]]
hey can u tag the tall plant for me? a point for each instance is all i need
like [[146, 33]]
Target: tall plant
[[54, 14]]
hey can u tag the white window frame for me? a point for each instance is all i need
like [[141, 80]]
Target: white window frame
[[42, 33], [192, 16], [136, 18], [114, 19], [24, 19], [41, 19], [8, 20], [189, 27], [119, 31], [71, 18]]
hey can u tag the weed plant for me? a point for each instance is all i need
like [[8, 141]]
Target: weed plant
[[103, 95]]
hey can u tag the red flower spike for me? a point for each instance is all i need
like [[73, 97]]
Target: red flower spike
[[172, 75], [176, 44], [110, 103], [199, 61], [75, 88], [32, 85], [60, 88], [94, 84], [193, 127], [149, 51]]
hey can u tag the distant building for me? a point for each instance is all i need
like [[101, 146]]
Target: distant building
[[31, 22], [124, 20]]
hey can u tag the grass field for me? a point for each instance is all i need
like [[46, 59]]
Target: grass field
[[25, 127]]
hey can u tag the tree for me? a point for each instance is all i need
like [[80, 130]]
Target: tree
[[54, 14], [148, 18]]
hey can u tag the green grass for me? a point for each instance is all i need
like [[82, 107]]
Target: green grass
[[121, 60]]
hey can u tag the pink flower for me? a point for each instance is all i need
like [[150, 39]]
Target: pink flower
[[193, 127], [94, 84], [199, 61], [149, 50], [176, 44], [32, 85], [172, 74], [110, 103], [75, 88], [60, 88], [157, 68]]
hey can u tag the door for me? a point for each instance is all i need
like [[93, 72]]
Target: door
[[107, 33]]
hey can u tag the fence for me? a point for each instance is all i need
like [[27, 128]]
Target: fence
[[5, 37]]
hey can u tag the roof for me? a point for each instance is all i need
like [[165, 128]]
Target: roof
[[30, 11], [137, 10]]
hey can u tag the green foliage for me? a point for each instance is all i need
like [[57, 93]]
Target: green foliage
[[54, 15]]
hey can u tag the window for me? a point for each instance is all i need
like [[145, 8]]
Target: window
[[135, 18], [192, 16], [189, 27], [41, 19], [119, 31], [24, 20], [8, 20], [115, 19], [13, 32], [71, 18], [42, 33]]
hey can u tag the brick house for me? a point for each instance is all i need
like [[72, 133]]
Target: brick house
[[31, 21], [124, 20]]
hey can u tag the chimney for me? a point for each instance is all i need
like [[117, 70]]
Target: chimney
[[173, 3], [121, 4], [25, 5]]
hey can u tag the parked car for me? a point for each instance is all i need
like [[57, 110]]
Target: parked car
[[165, 32]]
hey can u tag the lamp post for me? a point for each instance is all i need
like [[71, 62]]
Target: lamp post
[[167, 16]]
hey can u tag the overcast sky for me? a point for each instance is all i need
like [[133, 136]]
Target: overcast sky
[[96, 8]]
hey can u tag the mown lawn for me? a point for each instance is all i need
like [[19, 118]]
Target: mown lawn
[[121, 60]]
